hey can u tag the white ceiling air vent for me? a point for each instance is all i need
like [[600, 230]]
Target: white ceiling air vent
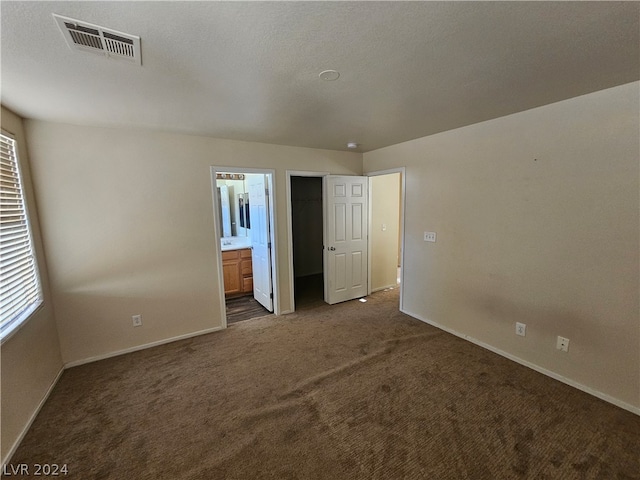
[[103, 41]]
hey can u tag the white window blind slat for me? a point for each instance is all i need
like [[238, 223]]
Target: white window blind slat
[[13, 228], [17, 271], [12, 238], [20, 291], [14, 255], [17, 292]]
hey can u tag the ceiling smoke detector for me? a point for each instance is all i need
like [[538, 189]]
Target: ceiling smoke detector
[[87, 37]]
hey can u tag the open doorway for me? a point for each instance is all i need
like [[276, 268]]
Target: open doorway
[[386, 208], [307, 234], [386, 214], [244, 225]]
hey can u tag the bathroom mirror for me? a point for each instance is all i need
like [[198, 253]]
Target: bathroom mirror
[[243, 211], [234, 205]]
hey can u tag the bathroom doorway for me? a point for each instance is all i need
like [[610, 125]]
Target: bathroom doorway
[[244, 226]]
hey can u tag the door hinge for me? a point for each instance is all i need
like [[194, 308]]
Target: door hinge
[[271, 295]]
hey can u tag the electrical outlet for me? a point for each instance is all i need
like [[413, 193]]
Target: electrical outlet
[[137, 320], [521, 329], [429, 236], [562, 344]]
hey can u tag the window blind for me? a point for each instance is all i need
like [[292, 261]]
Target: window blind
[[20, 291]]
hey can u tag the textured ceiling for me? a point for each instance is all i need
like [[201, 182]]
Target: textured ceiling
[[249, 70]]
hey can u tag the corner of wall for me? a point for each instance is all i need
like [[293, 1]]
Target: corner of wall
[[31, 362]]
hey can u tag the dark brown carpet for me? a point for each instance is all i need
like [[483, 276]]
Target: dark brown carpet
[[353, 391]]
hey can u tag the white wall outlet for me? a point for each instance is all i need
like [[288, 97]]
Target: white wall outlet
[[562, 344], [384, 227], [137, 320], [429, 236], [521, 329]]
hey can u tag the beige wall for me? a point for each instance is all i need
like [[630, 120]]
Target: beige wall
[[537, 221], [30, 358], [127, 221], [385, 210]]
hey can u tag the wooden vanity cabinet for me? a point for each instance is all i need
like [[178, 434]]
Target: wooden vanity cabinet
[[238, 272]]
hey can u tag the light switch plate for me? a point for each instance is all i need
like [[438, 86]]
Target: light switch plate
[[430, 236]]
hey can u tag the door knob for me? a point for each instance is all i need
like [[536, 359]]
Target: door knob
[[332, 248]]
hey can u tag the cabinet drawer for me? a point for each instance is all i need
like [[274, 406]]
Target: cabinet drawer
[[230, 255], [245, 253], [247, 268], [247, 284]]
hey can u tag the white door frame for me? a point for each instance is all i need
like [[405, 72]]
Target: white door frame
[[294, 173], [271, 178], [402, 171]]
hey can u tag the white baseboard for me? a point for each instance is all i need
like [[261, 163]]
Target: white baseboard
[[533, 366], [393, 285], [76, 363], [27, 426]]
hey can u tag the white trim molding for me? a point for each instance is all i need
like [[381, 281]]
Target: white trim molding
[[403, 190], [289, 174], [76, 363], [271, 173]]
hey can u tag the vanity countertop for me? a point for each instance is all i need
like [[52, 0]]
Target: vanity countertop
[[234, 243]]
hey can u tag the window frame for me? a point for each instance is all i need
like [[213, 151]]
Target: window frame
[[10, 326]]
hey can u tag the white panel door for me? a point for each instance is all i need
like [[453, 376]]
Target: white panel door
[[345, 237], [260, 240]]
